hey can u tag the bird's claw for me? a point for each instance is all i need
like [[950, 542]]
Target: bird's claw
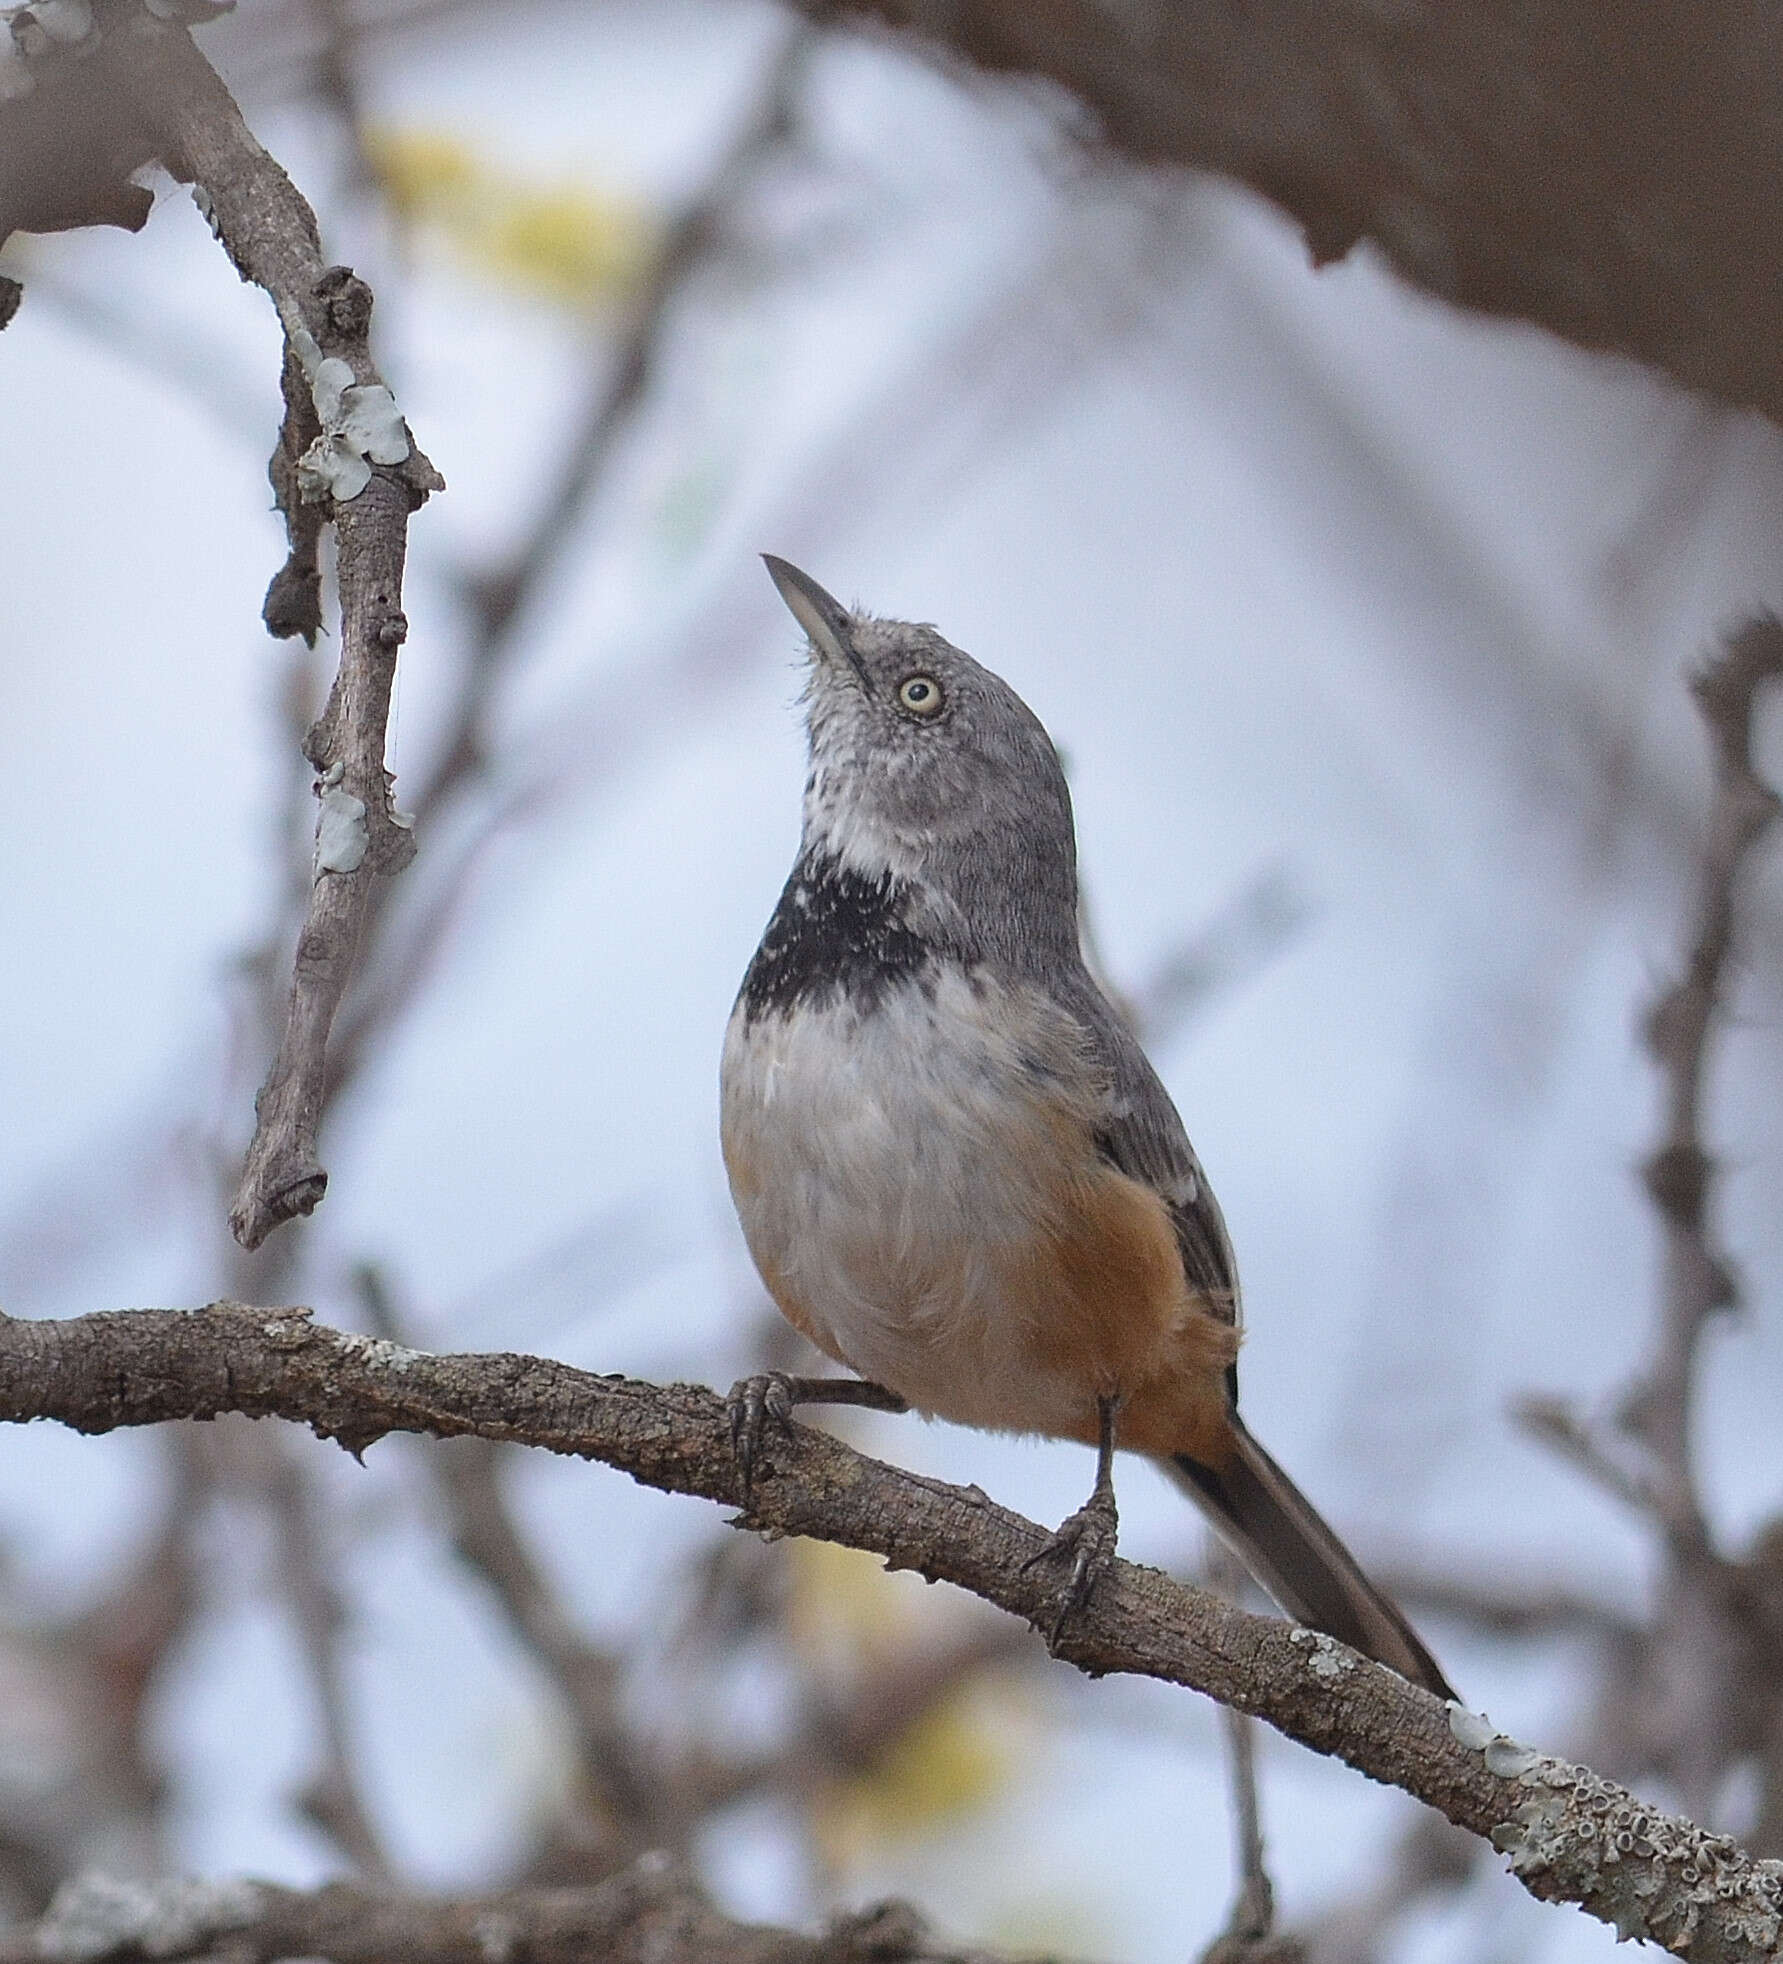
[[753, 1401], [1088, 1537]]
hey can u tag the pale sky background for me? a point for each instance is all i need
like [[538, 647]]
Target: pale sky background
[[1309, 577]]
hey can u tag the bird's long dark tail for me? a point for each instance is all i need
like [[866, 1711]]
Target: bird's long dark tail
[[1273, 1527]]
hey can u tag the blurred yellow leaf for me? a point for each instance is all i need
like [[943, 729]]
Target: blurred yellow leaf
[[570, 242], [867, 1630], [845, 1609], [958, 1755]]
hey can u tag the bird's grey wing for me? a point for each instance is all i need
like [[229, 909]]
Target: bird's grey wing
[[1142, 1135]]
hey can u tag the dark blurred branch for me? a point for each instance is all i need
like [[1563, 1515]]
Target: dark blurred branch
[[498, 599], [652, 1913], [643, 1794], [72, 133], [499, 596], [1570, 1835], [1554, 1423], [630, 1807], [1431, 1855], [1249, 1936], [337, 82], [1611, 180], [1505, 1605], [1697, 1689], [1698, 1280], [331, 1798], [77, 1723]]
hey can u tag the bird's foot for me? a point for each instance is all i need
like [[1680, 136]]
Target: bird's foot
[[1088, 1539], [752, 1403], [773, 1394]]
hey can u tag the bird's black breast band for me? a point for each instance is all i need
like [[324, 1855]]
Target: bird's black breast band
[[834, 931]]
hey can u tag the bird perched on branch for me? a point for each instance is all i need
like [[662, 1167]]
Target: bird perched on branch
[[955, 1168]]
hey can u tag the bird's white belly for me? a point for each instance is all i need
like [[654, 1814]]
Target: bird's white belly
[[902, 1175]]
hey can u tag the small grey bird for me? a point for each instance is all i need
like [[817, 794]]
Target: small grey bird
[[956, 1170]]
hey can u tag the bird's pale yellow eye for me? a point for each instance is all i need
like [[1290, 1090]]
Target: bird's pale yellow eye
[[920, 695]]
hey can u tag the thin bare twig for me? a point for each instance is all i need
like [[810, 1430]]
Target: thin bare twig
[[1248, 1937], [698, 227], [644, 1796], [1554, 1423], [1696, 1690], [344, 449], [1569, 1834], [1698, 1280], [331, 1798]]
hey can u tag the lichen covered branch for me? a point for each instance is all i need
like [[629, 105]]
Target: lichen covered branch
[[346, 452], [1569, 1835]]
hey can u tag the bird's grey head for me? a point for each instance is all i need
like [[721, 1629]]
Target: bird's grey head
[[927, 769]]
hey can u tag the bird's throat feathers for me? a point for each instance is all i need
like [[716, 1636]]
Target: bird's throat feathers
[[836, 932], [848, 821]]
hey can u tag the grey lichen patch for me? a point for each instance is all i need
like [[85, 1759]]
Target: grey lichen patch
[[207, 210], [49, 23], [377, 1353], [361, 426], [1474, 1729], [1505, 1756], [342, 836], [1575, 1835], [1510, 1758], [1328, 1661], [289, 1329], [94, 1916]]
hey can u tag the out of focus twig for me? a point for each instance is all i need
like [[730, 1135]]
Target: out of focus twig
[[1249, 1936], [1700, 1688], [1224, 952], [626, 1801], [498, 598], [652, 1913], [1698, 1280], [332, 1797]]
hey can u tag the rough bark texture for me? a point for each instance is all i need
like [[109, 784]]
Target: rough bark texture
[[1608, 171], [1569, 1835]]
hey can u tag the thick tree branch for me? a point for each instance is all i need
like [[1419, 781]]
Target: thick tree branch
[[1570, 1836], [651, 1913], [1608, 173]]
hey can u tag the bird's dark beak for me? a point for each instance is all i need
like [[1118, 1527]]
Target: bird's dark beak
[[824, 619]]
